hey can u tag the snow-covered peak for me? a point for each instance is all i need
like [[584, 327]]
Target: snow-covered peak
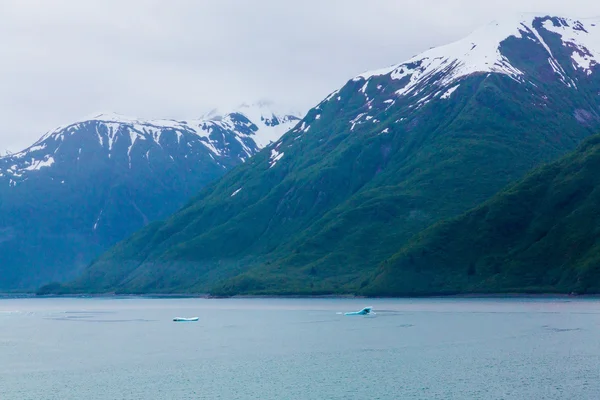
[[127, 120], [112, 117], [234, 136], [480, 52], [271, 121]]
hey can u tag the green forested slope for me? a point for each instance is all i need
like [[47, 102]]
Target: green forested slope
[[539, 235]]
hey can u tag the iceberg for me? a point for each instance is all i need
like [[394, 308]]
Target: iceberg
[[182, 319], [364, 311]]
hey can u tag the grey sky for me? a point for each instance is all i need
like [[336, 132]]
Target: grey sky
[[65, 59]]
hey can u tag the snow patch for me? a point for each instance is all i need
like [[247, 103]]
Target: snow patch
[[356, 120], [97, 219], [330, 96], [43, 163], [449, 92], [364, 88], [275, 156]]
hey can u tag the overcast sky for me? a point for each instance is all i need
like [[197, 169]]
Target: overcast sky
[[61, 60]]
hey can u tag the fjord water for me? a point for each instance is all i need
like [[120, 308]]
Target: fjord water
[[129, 348]]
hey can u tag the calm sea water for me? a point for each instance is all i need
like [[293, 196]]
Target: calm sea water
[[299, 349]]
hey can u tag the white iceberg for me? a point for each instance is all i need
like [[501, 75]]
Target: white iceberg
[[364, 311], [182, 319]]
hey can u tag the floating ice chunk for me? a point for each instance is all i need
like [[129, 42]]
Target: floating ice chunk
[[183, 319], [364, 311]]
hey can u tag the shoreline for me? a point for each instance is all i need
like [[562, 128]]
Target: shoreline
[[211, 297]]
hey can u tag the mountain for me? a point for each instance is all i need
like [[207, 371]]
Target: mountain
[[387, 155], [85, 186], [540, 235]]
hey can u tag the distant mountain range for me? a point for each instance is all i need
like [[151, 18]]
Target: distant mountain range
[[83, 187], [389, 154]]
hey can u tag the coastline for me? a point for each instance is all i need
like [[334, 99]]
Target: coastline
[[332, 296]]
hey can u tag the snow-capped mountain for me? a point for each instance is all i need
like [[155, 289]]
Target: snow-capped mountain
[[227, 139], [387, 155], [533, 51], [87, 185], [484, 52], [271, 123]]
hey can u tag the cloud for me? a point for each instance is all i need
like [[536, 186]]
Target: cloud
[[65, 59]]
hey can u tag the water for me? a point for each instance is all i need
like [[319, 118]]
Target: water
[[299, 349]]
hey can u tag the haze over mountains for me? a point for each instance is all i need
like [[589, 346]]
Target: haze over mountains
[[387, 155], [85, 186]]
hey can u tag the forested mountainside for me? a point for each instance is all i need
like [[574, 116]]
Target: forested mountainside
[[389, 154], [541, 235]]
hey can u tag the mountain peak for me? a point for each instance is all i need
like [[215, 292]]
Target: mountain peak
[[271, 120], [481, 51], [125, 119]]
